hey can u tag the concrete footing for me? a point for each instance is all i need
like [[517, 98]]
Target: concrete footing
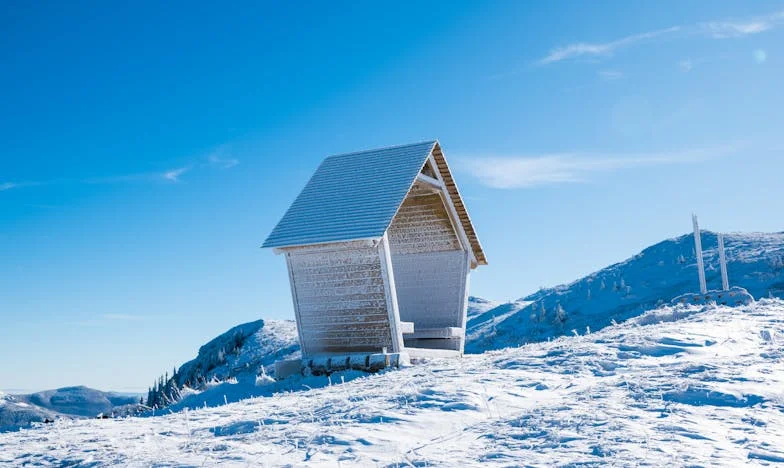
[[325, 365]]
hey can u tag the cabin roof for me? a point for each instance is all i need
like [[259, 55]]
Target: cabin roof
[[356, 196]]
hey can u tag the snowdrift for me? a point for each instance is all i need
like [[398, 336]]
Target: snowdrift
[[675, 386], [649, 279]]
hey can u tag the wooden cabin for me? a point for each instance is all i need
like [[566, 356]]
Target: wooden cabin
[[379, 247]]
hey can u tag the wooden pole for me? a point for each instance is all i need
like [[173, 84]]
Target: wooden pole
[[698, 249], [725, 282]]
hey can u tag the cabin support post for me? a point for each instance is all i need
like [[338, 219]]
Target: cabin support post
[[391, 294], [302, 343], [464, 301]]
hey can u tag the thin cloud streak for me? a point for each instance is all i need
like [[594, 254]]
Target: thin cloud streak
[[724, 29], [580, 49], [215, 160], [15, 185], [174, 174], [740, 28], [549, 169], [219, 160]]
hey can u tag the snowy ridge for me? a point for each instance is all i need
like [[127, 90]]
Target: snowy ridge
[[245, 348], [647, 280], [17, 411], [242, 353], [674, 386]]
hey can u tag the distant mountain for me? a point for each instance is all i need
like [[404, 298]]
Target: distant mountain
[[18, 411], [651, 278]]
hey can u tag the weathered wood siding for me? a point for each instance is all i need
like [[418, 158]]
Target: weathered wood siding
[[429, 265], [340, 299], [422, 225], [457, 200]]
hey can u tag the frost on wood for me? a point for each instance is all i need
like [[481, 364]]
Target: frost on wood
[[403, 282]]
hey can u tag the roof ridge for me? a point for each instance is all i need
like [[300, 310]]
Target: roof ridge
[[370, 150]]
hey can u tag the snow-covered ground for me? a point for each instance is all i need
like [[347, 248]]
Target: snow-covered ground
[[626, 289], [674, 386]]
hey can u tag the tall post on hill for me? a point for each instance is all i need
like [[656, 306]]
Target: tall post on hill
[[698, 250], [725, 282]]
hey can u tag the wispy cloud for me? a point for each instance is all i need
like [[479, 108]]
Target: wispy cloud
[[606, 49], [744, 27], [548, 169], [720, 29], [173, 175], [220, 159], [4, 186], [759, 56]]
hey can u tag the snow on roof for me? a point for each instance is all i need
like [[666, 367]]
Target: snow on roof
[[356, 195]]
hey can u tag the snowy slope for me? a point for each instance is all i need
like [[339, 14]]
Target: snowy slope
[[240, 353], [650, 278], [675, 386], [21, 410], [245, 348]]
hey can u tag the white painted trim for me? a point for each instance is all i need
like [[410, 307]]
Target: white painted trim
[[444, 333], [295, 300], [391, 295], [366, 240], [430, 182], [464, 302], [457, 225], [428, 353]]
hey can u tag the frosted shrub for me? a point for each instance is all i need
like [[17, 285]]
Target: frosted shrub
[[560, 314]]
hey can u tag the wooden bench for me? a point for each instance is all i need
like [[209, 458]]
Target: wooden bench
[[428, 333]]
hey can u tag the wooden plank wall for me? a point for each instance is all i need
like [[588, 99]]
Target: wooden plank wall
[[451, 187], [340, 299], [428, 262]]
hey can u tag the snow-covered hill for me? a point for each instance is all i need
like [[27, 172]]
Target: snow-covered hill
[[651, 278], [674, 386], [21, 410], [239, 357], [241, 353]]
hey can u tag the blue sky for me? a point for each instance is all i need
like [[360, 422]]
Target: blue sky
[[148, 150]]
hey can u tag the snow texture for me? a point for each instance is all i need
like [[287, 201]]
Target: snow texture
[[616, 293], [245, 348], [677, 386], [21, 410]]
